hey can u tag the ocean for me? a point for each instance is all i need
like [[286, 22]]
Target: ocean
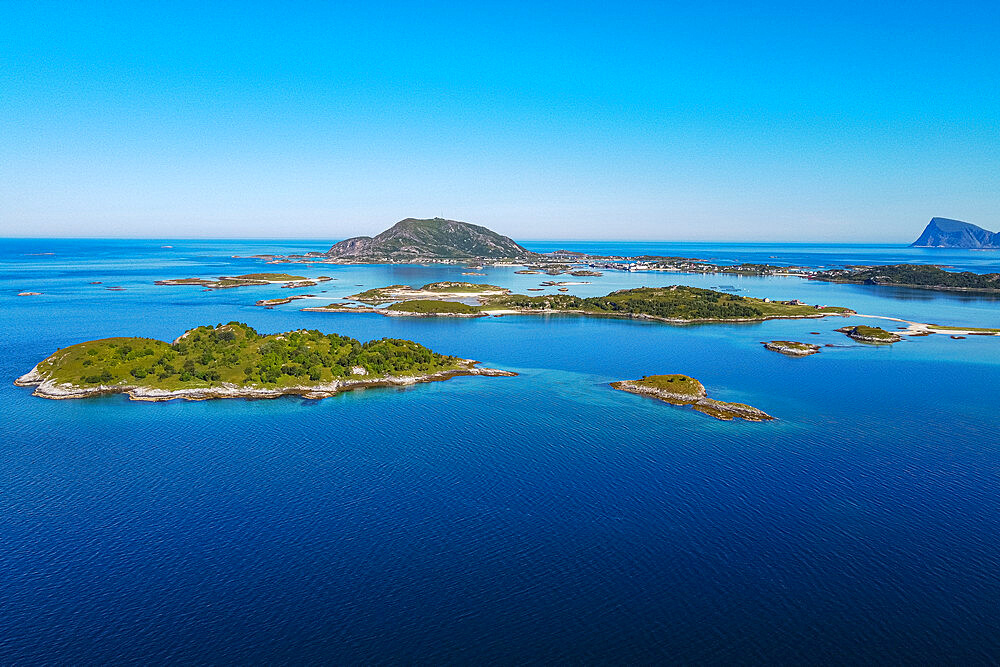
[[536, 519]]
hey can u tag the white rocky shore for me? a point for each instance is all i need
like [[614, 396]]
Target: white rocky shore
[[792, 348], [699, 401], [45, 387]]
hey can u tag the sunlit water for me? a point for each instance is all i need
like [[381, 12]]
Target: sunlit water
[[543, 517]]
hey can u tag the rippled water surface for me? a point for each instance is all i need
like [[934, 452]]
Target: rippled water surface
[[539, 518]]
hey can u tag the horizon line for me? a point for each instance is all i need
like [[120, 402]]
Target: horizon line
[[521, 241]]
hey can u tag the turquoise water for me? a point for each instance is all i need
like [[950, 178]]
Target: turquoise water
[[537, 518]]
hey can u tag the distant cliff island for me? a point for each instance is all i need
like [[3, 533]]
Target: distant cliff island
[[947, 233], [234, 361]]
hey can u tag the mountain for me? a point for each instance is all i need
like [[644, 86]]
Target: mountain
[[435, 238], [945, 233]]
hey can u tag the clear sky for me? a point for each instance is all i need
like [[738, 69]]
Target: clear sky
[[797, 121]]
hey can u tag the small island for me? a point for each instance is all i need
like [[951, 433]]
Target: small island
[[270, 303], [682, 390], [870, 335], [447, 290], [234, 361], [432, 308], [792, 348], [246, 280]]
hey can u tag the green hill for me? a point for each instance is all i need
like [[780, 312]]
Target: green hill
[[435, 238]]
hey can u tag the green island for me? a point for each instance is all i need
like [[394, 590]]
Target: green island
[[431, 291], [792, 348], [913, 275], [421, 240], [226, 282], [235, 361], [682, 390], [430, 307], [874, 335], [676, 304]]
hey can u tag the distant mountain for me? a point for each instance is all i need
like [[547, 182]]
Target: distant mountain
[[945, 233], [435, 238]]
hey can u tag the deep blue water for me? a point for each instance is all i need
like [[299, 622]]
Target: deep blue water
[[532, 519]]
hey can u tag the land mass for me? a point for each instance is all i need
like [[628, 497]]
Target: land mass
[[676, 304], [922, 276], [947, 233], [683, 390], [245, 280], [873, 335], [436, 238], [792, 348], [234, 361], [447, 290]]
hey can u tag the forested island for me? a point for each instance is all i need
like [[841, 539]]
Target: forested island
[[233, 360], [922, 276], [677, 389], [416, 239], [675, 304]]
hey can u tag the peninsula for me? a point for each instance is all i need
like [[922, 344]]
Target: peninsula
[[234, 361], [683, 390]]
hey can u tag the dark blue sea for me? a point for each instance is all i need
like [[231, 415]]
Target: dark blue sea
[[531, 520]]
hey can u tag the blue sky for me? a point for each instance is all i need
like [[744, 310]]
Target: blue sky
[[669, 121]]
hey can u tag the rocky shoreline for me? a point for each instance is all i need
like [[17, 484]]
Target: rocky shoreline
[[878, 336], [46, 388], [719, 409], [792, 348]]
